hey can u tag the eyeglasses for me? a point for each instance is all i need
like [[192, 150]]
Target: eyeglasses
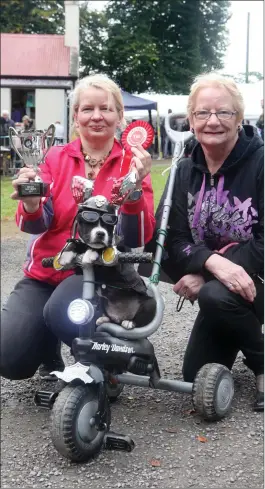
[[222, 115], [93, 217]]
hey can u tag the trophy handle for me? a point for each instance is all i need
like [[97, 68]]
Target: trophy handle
[[51, 133], [12, 132]]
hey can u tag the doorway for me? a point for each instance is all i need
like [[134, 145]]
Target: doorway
[[22, 103]]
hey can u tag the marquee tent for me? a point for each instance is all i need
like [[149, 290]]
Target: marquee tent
[[132, 102]]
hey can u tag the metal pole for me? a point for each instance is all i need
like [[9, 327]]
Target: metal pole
[[160, 156], [247, 53]]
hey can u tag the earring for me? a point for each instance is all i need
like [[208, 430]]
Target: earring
[[239, 128], [192, 130]]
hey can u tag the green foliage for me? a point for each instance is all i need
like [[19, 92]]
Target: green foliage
[[156, 45], [93, 33], [151, 45], [213, 34], [32, 16]]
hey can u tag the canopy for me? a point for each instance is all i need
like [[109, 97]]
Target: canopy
[[132, 102]]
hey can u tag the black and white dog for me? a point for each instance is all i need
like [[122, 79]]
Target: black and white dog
[[123, 293]]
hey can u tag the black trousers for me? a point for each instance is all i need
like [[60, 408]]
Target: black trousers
[[225, 325], [26, 341]]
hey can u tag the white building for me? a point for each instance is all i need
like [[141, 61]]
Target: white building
[[39, 70]]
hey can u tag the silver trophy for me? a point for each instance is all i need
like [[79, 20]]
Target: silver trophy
[[32, 146]]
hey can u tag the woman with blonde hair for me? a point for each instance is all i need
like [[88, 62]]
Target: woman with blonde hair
[[215, 240], [98, 110]]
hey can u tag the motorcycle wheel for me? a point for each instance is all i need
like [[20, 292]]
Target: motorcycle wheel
[[213, 391], [73, 429]]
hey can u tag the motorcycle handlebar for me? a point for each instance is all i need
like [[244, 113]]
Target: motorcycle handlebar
[[123, 257]]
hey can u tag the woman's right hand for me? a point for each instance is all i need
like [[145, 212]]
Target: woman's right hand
[[25, 175], [233, 276]]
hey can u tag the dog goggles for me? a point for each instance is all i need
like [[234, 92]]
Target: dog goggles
[[92, 217]]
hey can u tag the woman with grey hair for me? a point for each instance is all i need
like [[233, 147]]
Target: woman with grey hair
[[215, 239], [26, 341]]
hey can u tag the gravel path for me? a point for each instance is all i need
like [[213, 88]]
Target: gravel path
[[161, 424]]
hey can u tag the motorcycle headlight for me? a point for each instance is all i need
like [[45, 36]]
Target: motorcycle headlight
[[80, 311]]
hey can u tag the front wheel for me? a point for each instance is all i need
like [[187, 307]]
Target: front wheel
[[213, 391], [73, 429]]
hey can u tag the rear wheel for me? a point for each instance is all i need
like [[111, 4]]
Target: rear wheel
[[73, 429], [213, 391]]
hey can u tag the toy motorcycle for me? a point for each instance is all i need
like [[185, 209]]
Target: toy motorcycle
[[108, 356]]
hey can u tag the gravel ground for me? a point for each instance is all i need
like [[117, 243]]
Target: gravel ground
[[161, 424]]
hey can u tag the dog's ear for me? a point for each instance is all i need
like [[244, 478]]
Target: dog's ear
[[82, 230]]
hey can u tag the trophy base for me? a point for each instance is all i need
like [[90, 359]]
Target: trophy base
[[33, 189]]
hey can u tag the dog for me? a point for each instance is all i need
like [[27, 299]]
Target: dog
[[123, 294]]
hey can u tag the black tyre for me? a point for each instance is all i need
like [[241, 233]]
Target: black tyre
[[213, 391], [73, 432], [113, 391]]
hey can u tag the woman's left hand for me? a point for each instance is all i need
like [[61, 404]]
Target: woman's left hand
[[189, 286], [141, 163]]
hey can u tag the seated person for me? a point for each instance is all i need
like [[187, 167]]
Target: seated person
[[26, 341], [27, 123], [215, 239]]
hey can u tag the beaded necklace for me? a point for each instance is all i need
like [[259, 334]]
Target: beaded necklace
[[93, 163]]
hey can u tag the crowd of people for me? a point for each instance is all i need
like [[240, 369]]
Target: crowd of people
[[6, 122], [26, 124], [181, 123], [215, 240]]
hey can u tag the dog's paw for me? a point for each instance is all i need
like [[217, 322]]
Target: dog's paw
[[102, 319], [128, 324], [89, 257], [67, 258]]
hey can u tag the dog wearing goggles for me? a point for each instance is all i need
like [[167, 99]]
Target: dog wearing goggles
[[96, 221], [123, 294]]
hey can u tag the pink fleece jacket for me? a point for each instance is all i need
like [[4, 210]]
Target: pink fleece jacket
[[50, 226]]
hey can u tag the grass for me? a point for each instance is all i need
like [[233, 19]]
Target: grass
[[8, 206], [158, 181]]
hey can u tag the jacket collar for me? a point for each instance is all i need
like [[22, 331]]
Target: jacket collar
[[247, 143], [74, 149]]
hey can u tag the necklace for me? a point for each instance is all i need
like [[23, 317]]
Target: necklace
[[93, 163]]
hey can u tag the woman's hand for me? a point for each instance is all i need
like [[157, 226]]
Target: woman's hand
[[233, 276], [141, 163], [189, 286], [25, 175]]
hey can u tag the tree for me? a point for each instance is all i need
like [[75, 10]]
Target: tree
[[213, 34], [93, 35], [158, 45], [151, 45], [32, 16]]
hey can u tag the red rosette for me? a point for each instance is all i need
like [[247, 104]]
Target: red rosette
[[138, 132]]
